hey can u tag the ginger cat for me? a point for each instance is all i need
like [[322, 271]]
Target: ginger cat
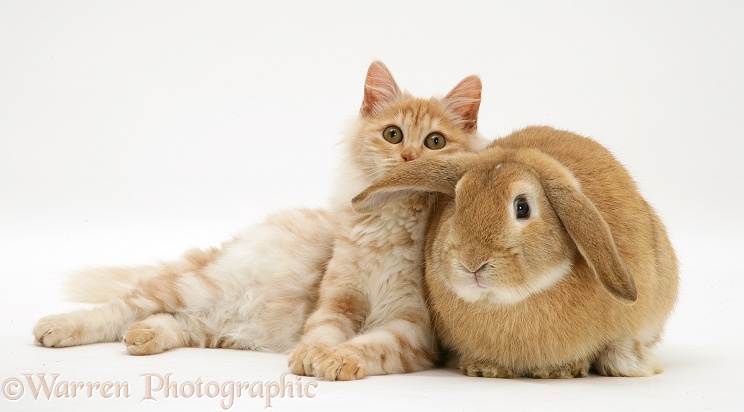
[[361, 274], [372, 316]]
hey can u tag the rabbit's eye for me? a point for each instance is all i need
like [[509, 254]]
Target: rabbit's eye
[[435, 141], [521, 208], [393, 134]]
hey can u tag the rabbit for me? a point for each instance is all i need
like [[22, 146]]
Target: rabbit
[[542, 259]]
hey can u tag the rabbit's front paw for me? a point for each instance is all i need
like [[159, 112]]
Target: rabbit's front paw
[[576, 369], [485, 369]]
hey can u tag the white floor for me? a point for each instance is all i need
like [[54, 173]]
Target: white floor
[[131, 132], [701, 352]]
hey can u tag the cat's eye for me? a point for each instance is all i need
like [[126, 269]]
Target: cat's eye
[[435, 141], [521, 208], [393, 134]]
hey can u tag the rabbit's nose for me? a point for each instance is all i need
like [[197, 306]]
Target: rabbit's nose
[[476, 270]]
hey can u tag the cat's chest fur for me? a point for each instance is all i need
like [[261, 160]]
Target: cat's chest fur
[[387, 250], [396, 230]]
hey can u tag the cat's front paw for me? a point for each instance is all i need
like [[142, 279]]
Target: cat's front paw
[[301, 358], [485, 370], [143, 339], [58, 331], [340, 364]]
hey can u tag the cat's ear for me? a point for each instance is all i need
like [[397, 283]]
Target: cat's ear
[[379, 88], [464, 102]]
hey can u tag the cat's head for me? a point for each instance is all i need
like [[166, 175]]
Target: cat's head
[[395, 127]]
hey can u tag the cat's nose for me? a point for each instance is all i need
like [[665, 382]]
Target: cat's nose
[[408, 156]]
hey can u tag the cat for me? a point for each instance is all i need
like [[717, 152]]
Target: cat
[[257, 290], [372, 316]]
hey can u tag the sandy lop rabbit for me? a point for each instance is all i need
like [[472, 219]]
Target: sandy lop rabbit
[[542, 258]]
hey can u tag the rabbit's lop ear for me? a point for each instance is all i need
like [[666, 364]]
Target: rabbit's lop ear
[[590, 233], [422, 175]]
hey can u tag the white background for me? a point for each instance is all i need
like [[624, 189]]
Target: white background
[[131, 131]]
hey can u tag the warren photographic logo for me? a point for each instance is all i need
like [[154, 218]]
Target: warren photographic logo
[[154, 387]]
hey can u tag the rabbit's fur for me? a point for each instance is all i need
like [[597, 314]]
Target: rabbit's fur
[[589, 277]]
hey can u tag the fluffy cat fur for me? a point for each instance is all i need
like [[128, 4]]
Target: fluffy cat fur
[[361, 277], [372, 316]]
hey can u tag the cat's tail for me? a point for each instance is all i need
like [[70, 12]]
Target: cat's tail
[[99, 285]]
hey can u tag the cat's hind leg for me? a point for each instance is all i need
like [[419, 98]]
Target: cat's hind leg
[[156, 334], [162, 292], [104, 323], [163, 331]]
